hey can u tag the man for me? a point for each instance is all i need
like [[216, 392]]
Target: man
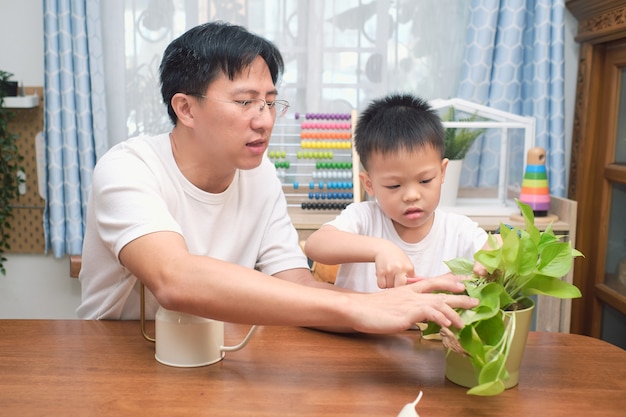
[[198, 215]]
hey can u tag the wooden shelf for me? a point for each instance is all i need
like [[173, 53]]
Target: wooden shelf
[[23, 102], [307, 222]]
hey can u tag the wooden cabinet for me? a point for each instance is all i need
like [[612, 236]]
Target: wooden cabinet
[[598, 169]]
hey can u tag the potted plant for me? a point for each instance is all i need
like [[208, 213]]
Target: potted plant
[[9, 166], [457, 141], [527, 262]]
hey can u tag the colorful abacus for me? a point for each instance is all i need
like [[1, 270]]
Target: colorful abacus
[[316, 152], [535, 190], [325, 116]]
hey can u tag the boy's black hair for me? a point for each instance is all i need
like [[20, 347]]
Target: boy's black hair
[[192, 61], [395, 123]]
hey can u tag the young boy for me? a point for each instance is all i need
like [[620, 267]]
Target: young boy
[[401, 235]]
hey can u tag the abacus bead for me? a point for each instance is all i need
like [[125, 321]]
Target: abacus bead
[[296, 185]]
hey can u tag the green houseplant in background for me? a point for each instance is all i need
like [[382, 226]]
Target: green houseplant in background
[[457, 141], [10, 160], [527, 262]]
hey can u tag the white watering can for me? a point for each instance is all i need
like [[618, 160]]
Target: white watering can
[[185, 340]]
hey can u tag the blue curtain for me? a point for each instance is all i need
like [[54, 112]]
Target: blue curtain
[[514, 61], [74, 117]]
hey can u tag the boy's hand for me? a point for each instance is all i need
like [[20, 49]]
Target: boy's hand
[[393, 267]]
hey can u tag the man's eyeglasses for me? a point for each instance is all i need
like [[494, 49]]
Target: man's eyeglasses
[[277, 108]]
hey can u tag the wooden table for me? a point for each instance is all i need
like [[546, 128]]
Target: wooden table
[[106, 368]]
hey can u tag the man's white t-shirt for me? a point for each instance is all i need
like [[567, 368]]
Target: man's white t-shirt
[[138, 189], [451, 236]]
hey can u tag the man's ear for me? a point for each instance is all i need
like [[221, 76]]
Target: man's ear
[[367, 183], [183, 106]]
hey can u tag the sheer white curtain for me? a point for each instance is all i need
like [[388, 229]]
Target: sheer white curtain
[[339, 54]]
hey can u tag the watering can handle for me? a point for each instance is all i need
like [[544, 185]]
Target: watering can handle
[[240, 345], [142, 313]]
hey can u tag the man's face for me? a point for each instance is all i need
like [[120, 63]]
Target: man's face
[[234, 137]]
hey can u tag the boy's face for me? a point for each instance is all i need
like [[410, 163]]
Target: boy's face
[[407, 186]]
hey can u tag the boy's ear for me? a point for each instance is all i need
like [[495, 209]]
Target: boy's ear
[[444, 166], [367, 183]]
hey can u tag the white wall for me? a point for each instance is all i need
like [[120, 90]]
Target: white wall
[[39, 286], [36, 286], [21, 40]]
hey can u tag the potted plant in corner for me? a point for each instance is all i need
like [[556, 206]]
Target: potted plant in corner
[[9, 166], [457, 141], [486, 353]]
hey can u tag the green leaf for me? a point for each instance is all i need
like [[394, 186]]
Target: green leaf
[[473, 287], [554, 287], [489, 296], [461, 266], [556, 259], [528, 255], [506, 299], [490, 259], [471, 342], [488, 389], [433, 328], [493, 370], [491, 331], [529, 221], [511, 252]]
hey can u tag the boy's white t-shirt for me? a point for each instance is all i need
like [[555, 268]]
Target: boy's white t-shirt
[[451, 236], [138, 189]]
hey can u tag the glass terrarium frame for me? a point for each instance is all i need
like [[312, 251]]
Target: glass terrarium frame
[[504, 124]]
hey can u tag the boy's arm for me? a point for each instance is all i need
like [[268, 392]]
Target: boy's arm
[[331, 246]]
